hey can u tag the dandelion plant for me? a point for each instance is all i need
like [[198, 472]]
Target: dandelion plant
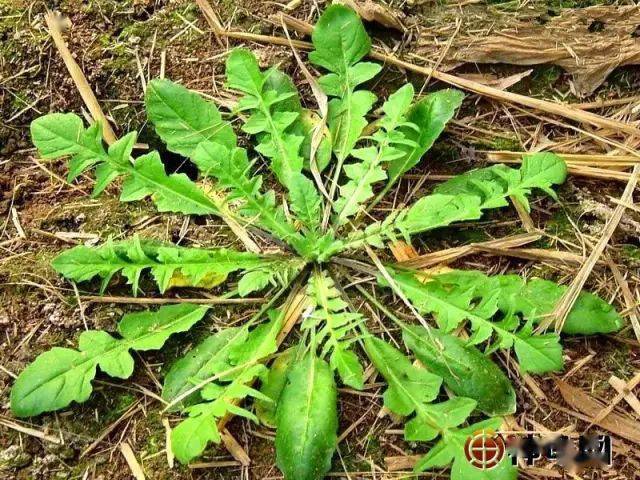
[[327, 172]]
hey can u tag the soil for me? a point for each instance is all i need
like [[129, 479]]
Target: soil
[[42, 215]]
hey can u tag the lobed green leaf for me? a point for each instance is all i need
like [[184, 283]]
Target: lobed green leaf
[[465, 370], [170, 265], [452, 449], [430, 115], [340, 42], [229, 370], [465, 197], [388, 142], [453, 305], [57, 135], [63, 375], [231, 168], [275, 110], [332, 322], [534, 299], [411, 392]]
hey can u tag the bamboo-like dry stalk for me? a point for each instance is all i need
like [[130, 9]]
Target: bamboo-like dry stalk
[[538, 254], [132, 461], [629, 299], [622, 388], [451, 254], [164, 301], [600, 173], [580, 167], [571, 295], [89, 98], [578, 159], [211, 18], [559, 109]]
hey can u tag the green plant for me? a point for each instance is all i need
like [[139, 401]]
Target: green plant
[[298, 394]]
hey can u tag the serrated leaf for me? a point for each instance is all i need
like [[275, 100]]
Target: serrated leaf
[[539, 353], [542, 170], [362, 175], [358, 188], [462, 198], [452, 448], [305, 201], [168, 265], [496, 183], [119, 153], [254, 280], [439, 210], [340, 42], [411, 391], [269, 274], [208, 358], [346, 120], [465, 370], [531, 300], [430, 115], [261, 341], [307, 420], [437, 418], [409, 385], [440, 455], [348, 366], [272, 100], [453, 305], [463, 470], [183, 119], [63, 134], [332, 322], [536, 298], [192, 435], [170, 193], [231, 168], [244, 74], [62, 375], [236, 365]]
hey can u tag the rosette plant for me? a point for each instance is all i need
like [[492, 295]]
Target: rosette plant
[[329, 164]]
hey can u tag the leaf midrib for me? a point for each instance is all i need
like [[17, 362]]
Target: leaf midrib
[[311, 374], [207, 204], [353, 199], [184, 121], [418, 406], [467, 313], [119, 346]]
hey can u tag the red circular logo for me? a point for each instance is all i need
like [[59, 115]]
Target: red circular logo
[[484, 449]]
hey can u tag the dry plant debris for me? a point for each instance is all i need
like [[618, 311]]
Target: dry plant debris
[[589, 43]]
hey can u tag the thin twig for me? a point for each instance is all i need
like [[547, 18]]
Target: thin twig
[[162, 301], [90, 100], [479, 88], [565, 304]]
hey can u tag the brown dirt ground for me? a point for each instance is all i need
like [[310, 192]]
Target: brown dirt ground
[[39, 310]]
